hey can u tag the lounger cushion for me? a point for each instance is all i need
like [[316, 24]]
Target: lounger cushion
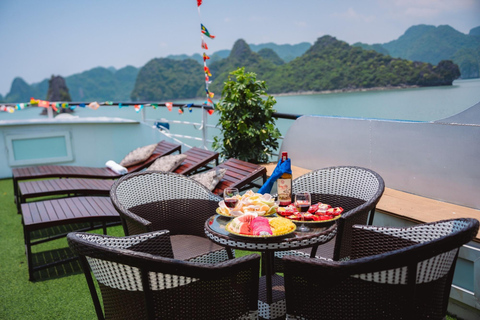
[[211, 178], [167, 163], [138, 155]]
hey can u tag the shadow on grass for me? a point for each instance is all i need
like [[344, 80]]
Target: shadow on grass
[[58, 271], [52, 253]]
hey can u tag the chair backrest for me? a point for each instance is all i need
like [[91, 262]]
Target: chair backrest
[[357, 190], [163, 148], [394, 273], [149, 201], [136, 282]]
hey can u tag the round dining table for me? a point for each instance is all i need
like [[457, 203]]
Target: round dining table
[[271, 302]]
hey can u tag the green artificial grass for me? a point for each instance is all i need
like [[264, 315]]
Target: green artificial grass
[[59, 292]]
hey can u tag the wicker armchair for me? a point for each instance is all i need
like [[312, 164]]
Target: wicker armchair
[[394, 273], [357, 190], [150, 201], [138, 279]]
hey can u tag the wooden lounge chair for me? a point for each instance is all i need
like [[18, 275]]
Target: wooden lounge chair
[[241, 175], [51, 171], [40, 215], [197, 160]]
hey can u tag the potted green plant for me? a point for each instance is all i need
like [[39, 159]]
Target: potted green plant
[[246, 122]]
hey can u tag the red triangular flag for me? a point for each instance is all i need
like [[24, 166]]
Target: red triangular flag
[[204, 45], [210, 111], [169, 105]]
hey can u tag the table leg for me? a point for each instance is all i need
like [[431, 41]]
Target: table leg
[[229, 252], [268, 258]]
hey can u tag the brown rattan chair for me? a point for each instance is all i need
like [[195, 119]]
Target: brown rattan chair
[[149, 201], [357, 190], [139, 279], [393, 273]]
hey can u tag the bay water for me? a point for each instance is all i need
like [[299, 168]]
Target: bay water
[[412, 104]]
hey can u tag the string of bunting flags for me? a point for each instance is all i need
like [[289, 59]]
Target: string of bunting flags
[[208, 74], [57, 106]]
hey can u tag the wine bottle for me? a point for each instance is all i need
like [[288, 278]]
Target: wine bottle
[[284, 185]]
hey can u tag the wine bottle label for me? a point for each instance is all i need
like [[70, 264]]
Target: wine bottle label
[[284, 188]]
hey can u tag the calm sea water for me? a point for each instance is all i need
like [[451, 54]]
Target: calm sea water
[[419, 104]]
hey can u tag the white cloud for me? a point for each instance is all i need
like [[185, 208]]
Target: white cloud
[[352, 15], [427, 8], [301, 24]]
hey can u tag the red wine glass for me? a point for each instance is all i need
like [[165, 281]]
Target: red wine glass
[[231, 197], [302, 203]]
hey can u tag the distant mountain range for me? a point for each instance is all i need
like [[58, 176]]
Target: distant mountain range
[[180, 75], [95, 84], [329, 64], [434, 44]]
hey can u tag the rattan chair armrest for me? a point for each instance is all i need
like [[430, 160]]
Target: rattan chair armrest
[[372, 241], [159, 245]]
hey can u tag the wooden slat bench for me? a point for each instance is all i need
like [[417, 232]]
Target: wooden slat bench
[[197, 160], [53, 171], [241, 175], [96, 211], [67, 187]]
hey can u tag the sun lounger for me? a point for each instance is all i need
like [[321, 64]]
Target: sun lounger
[[241, 175], [65, 211], [36, 216], [197, 160], [51, 171]]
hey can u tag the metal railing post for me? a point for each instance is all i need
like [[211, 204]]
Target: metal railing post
[[204, 127], [143, 114]]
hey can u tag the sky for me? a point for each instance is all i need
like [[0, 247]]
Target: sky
[[64, 37]]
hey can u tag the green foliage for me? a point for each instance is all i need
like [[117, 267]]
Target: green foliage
[[433, 44], [246, 123], [286, 52], [331, 64], [100, 84], [21, 91], [376, 47], [269, 54], [167, 79]]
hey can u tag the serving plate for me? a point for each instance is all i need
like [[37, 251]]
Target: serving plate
[[227, 227], [219, 212], [313, 221]]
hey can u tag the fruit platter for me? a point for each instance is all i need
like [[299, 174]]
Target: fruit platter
[[249, 225], [317, 213], [250, 202]]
